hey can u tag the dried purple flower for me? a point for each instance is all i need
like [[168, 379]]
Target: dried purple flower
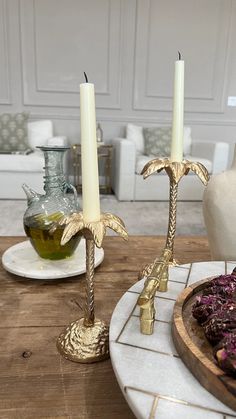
[[225, 353], [224, 285], [205, 305], [220, 322], [215, 310]]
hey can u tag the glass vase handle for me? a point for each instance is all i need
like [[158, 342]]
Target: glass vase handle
[[70, 187]]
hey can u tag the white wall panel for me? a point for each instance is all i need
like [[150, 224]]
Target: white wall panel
[[63, 38], [201, 32], [5, 97], [128, 49]]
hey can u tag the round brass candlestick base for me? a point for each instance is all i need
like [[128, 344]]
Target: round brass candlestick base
[[84, 344]]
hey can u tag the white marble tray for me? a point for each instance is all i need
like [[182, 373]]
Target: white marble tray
[[21, 259], [153, 378]]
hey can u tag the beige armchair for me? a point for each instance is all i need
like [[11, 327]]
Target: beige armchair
[[129, 159]]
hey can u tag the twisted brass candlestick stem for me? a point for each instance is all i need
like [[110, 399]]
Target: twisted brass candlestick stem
[[89, 308], [86, 340], [172, 219]]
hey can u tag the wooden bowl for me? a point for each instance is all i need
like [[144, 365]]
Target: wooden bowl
[[195, 350]]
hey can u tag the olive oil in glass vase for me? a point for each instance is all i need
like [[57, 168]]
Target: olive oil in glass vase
[[44, 211]]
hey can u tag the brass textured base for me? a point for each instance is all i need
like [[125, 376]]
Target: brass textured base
[[85, 344]]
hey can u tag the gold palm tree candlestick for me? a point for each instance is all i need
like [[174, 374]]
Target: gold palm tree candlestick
[[157, 272], [86, 340], [175, 171]]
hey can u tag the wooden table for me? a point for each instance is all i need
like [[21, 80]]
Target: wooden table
[[35, 380]]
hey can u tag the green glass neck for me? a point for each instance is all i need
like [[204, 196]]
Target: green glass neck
[[54, 179]]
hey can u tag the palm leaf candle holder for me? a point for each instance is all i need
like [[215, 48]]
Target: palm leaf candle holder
[[157, 272], [175, 171], [86, 340]]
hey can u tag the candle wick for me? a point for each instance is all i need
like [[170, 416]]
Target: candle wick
[[86, 78], [179, 55]]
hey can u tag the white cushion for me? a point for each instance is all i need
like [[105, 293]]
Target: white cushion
[[135, 134], [39, 132], [57, 142], [207, 163], [141, 160], [187, 141], [33, 162]]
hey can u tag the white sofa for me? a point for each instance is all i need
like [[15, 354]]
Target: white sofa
[[129, 159], [16, 169]]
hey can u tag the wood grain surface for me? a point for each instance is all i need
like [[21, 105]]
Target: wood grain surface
[[35, 381], [195, 350]]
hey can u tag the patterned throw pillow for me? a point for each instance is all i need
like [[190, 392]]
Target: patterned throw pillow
[[13, 132], [157, 141]]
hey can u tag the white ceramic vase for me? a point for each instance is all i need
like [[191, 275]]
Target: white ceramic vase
[[219, 210]]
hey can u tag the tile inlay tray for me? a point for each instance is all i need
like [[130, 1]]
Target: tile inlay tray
[[21, 259], [155, 381]]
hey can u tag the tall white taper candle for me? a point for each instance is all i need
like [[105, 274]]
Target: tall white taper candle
[[178, 113], [89, 158]]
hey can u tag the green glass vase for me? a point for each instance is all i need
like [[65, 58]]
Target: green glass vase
[[44, 211]]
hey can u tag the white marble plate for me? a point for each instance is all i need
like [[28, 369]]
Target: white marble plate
[[21, 259], [154, 380]]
